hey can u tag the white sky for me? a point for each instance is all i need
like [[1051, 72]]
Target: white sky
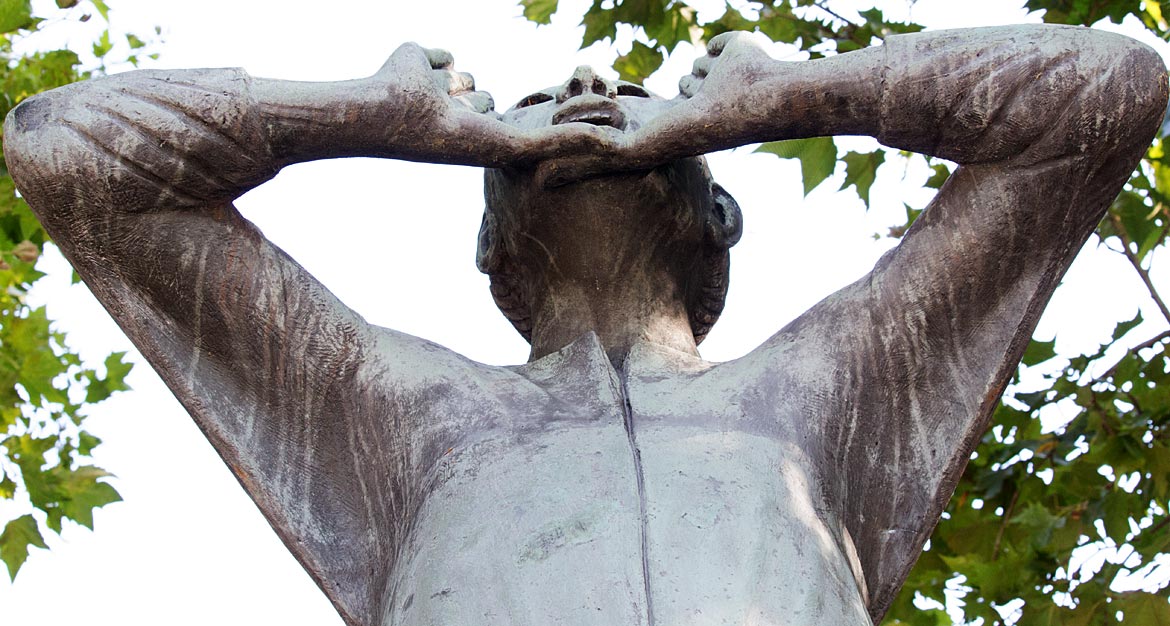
[[396, 242]]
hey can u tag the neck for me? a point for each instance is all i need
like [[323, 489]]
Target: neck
[[612, 255], [622, 311]]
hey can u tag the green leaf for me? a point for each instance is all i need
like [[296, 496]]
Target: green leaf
[[896, 232], [66, 4], [539, 11], [1141, 223], [103, 45], [1038, 352], [1118, 507], [7, 488], [1124, 327], [1040, 521], [86, 443], [136, 42], [15, 14], [18, 535], [102, 8], [781, 26], [100, 388], [730, 20], [640, 62], [940, 175], [599, 24], [1147, 609], [818, 157], [861, 171], [1158, 461], [82, 493], [677, 25]]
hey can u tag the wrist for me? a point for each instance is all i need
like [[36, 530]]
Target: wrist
[[307, 121], [838, 95]]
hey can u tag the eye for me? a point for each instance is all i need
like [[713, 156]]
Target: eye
[[535, 98], [630, 89]]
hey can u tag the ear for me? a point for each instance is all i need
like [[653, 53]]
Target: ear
[[724, 222], [489, 256]]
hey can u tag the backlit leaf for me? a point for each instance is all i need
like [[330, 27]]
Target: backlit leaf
[[639, 63], [14, 14], [18, 535], [861, 171], [539, 11], [1038, 352], [599, 25], [1147, 609], [817, 156]]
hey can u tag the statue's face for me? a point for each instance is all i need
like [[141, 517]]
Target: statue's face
[[590, 99]]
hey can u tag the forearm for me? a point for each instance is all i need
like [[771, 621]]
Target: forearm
[[974, 96], [203, 137], [305, 121]]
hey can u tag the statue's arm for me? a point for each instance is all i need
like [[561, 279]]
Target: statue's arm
[[319, 415], [1046, 124]]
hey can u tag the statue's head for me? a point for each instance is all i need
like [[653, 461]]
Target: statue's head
[[674, 216]]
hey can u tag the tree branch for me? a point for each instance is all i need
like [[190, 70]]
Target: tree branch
[[1133, 260], [1007, 515], [821, 6]]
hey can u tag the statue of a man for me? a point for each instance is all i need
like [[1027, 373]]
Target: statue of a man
[[616, 478]]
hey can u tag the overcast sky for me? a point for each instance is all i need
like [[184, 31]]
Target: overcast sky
[[396, 242]]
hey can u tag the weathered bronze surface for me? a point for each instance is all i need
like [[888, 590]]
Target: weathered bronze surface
[[616, 478]]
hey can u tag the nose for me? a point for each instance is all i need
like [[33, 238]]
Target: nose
[[586, 81]]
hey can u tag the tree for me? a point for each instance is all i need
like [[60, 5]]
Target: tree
[[45, 388], [1013, 544]]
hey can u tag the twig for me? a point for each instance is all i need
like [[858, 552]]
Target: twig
[[1133, 260], [821, 6], [1159, 526], [1149, 343], [1007, 514]]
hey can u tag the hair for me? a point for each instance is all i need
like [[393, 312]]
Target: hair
[[705, 297]]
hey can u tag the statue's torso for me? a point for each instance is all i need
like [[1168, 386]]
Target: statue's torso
[[561, 517]]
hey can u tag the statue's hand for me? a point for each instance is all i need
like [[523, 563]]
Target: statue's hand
[[719, 106], [444, 119], [427, 105], [734, 62]]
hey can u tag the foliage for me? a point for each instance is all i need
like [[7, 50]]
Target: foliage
[[1056, 525], [45, 471]]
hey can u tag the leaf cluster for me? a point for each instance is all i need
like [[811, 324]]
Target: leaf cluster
[[1036, 510], [45, 388]]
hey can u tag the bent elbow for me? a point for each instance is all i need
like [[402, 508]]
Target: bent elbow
[[1126, 99], [1098, 95], [1148, 83], [35, 147], [24, 130]]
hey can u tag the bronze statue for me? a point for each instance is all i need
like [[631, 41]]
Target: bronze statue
[[616, 478]]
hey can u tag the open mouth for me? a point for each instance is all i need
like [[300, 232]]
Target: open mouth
[[588, 109]]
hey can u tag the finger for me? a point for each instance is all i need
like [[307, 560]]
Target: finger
[[439, 59], [452, 82], [409, 54], [719, 43], [689, 85], [702, 66], [568, 139], [477, 101]]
